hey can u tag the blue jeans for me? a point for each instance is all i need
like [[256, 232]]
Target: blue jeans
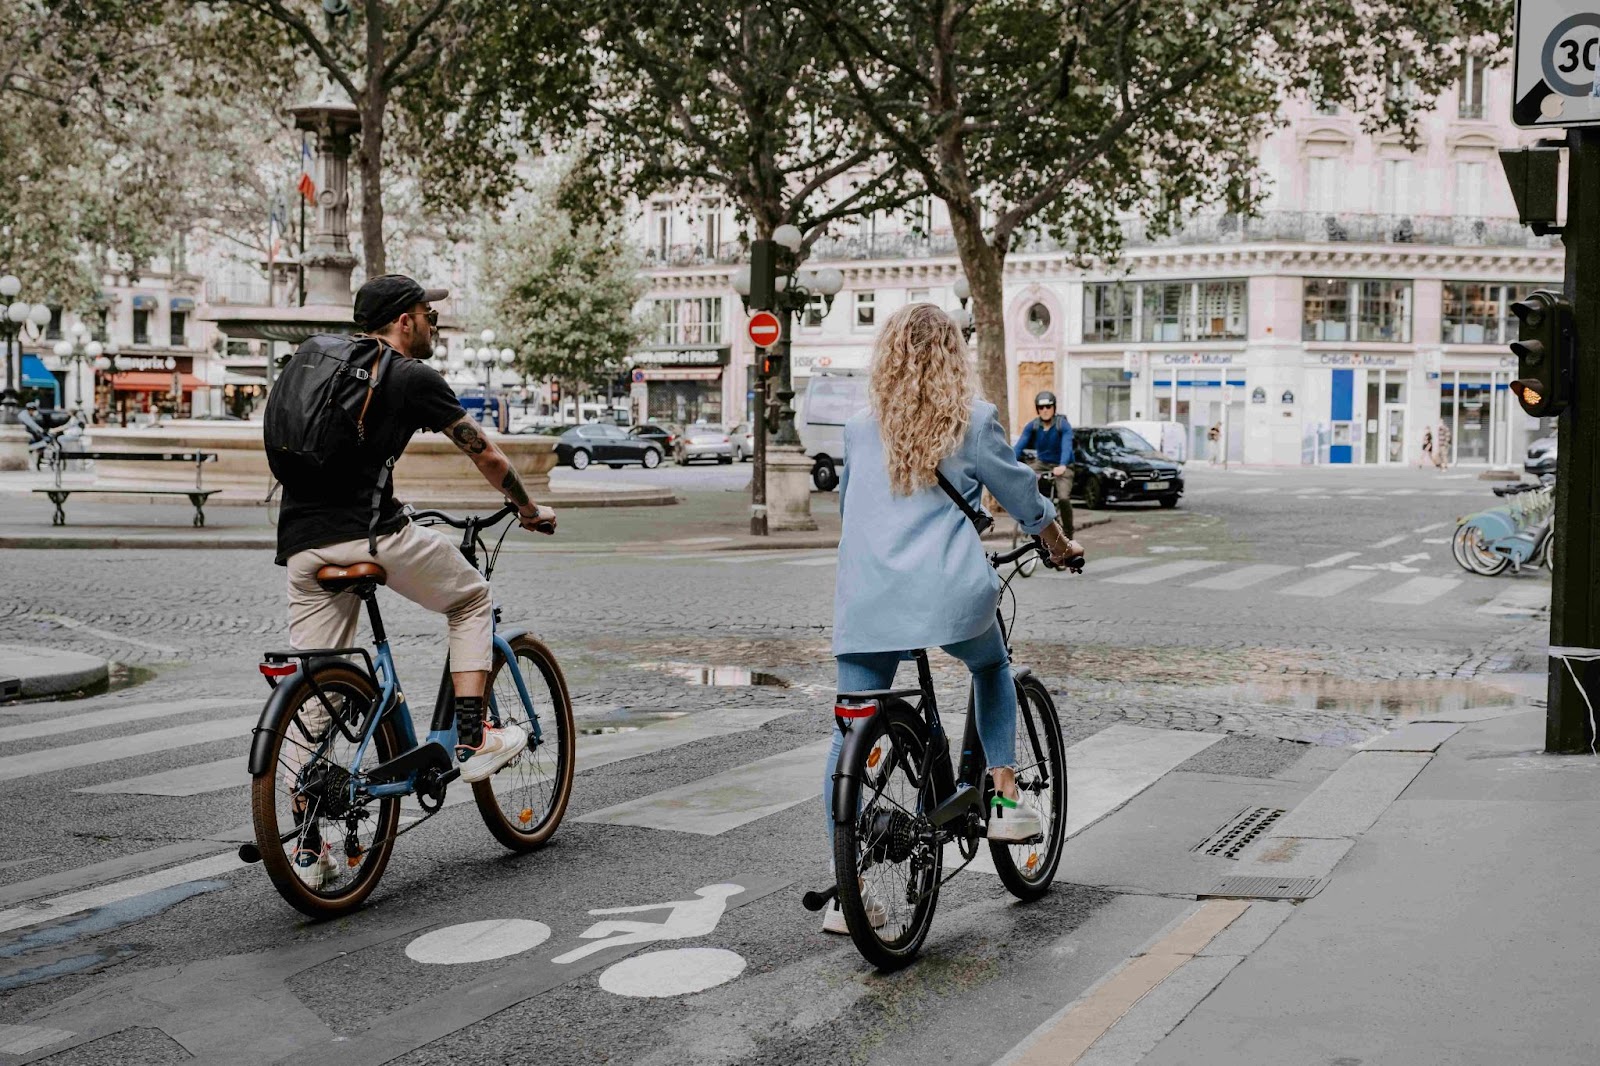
[[995, 697]]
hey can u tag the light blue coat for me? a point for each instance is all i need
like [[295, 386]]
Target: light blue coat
[[912, 572]]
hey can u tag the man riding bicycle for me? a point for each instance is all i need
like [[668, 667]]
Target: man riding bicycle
[[1049, 437], [348, 514]]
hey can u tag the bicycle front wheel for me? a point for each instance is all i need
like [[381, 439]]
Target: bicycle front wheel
[[1027, 869], [523, 803], [888, 861]]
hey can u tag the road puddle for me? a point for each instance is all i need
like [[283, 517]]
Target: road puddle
[[717, 676], [1388, 699]]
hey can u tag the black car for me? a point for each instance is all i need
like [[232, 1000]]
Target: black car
[[601, 442], [664, 437], [1115, 465]]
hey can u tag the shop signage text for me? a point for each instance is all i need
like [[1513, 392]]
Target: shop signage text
[[1195, 358], [1347, 359], [681, 357]]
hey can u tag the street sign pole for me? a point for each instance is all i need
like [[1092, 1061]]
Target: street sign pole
[[1574, 611], [758, 429]]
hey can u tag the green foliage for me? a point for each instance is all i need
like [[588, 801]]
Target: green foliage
[[562, 291]]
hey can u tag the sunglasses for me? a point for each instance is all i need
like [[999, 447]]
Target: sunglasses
[[1045, 407], [431, 316]]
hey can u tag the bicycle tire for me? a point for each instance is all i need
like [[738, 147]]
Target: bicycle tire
[[538, 782], [1025, 869], [899, 740], [1464, 544], [335, 680]]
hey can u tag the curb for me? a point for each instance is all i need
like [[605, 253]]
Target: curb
[[30, 672]]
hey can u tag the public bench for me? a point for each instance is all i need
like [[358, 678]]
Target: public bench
[[196, 496]]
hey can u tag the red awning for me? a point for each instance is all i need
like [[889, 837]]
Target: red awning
[[153, 381]]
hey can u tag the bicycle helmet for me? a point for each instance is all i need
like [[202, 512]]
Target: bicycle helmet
[[1046, 397]]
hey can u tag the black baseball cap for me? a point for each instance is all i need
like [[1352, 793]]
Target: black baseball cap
[[383, 299]]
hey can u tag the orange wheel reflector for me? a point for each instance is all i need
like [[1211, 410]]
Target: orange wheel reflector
[[526, 815], [1033, 860], [873, 757], [353, 861]]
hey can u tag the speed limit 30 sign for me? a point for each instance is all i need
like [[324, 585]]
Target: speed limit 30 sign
[[1557, 70]]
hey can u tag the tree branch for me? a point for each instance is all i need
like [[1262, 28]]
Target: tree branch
[[409, 45], [274, 9]]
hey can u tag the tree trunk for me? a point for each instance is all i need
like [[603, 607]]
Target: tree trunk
[[374, 106], [985, 270]]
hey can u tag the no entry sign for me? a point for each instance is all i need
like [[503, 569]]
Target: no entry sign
[[764, 329]]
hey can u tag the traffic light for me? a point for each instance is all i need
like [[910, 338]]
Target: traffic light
[[1544, 349]]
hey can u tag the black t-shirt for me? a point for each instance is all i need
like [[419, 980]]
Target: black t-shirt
[[410, 396]]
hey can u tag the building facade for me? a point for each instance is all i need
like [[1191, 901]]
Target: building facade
[[1364, 307]]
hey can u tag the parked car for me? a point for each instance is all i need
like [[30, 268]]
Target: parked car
[[664, 437], [1113, 465], [1171, 439], [1541, 456], [744, 445], [598, 442], [704, 441], [831, 398]]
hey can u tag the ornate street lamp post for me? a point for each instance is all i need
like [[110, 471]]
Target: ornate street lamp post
[[963, 317], [78, 351], [17, 314], [487, 357]]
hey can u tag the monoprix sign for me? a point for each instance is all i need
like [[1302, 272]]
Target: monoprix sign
[[1557, 80]]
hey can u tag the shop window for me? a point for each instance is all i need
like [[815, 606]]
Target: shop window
[[866, 310], [1104, 396], [1477, 312], [1038, 320], [1326, 310], [179, 320], [1384, 312], [141, 327], [1164, 311], [1220, 307], [1108, 312]]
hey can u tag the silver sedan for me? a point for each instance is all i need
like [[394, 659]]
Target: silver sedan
[[703, 441]]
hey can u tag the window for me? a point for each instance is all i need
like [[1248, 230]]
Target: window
[[1108, 312], [662, 234], [1384, 312], [102, 328], [141, 327], [922, 216], [179, 318], [1220, 311], [1164, 311], [1396, 187], [52, 332], [918, 296], [1326, 108], [1327, 310], [830, 401], [816, 309], [866, 310], [1469, 190], [1478, 312], [236, 349], [694, 322], [1038, 320], [1470, 101], [1322, 184], [713, 226]]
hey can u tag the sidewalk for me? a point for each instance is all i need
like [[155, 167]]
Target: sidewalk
[[1460, 927], [29, 671]]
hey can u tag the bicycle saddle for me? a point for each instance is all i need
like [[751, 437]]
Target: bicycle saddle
[[337, 578]]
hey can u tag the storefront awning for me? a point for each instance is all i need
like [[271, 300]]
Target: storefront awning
[[153, 381], [674, 373], [145, 302], [182, 303], [34, 374]]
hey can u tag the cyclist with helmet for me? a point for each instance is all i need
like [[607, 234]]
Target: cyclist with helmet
[[1049, 437]]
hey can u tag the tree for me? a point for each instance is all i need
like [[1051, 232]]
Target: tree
[[562, 291], [1030, 118]]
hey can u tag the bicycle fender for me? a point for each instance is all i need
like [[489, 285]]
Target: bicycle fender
[[846, 785], [1019, 674], [511, 633], [278, 705]]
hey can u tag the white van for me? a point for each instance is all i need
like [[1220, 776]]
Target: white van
[[831, 398]]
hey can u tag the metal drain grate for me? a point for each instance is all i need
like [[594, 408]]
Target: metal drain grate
[[1295, 888], [1239, 831]]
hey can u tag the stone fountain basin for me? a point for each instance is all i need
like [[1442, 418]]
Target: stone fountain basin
[[432, 473]]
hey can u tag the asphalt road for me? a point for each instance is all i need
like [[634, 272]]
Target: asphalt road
[[1272, 615]]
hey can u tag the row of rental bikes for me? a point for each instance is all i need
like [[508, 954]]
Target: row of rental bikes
[[1516, 535]]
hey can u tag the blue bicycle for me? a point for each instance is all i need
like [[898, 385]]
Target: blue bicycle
[[335, 751]]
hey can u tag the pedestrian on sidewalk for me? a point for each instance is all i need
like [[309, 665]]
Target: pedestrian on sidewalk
[[1214, 443], [912, 570], [1427, 448], [1441, 448]]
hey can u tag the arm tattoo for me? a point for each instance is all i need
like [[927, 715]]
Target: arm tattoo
[[467, 437], [513, 488]]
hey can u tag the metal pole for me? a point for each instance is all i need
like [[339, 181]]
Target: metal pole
[[1574, 612], [8, 399], [758, 476], [785, 435]]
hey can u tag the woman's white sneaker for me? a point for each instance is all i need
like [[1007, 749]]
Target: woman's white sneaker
[[833, 920], [499, 747], [1013, 822]]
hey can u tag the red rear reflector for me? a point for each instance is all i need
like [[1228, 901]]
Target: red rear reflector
[[855, 710], [278, 669]]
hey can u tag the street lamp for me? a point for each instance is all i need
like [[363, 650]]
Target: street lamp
[[17, 315], [964, 319], [75, 354]]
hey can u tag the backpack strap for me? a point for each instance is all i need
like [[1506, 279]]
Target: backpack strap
[[384, 475], [980, 521], [372, 385]]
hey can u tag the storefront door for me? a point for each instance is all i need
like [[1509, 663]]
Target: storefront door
[[1195, 398], [1384, 417], [1394, 432]]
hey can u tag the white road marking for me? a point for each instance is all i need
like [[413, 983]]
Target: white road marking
[[1332, 560], [1165, 572], [103, 634], [21, 1039], [1389, 542], [1418, 590], [1256, 492], [1524, 601], [701, 540], [1113, 562], [681, 920], [73, 723], [75, 756], [1329, 584], [713, 805], [1436, 540], [816, 560], [77, 902], [676, 972], [477, 941], [193, 780], [1430, 528], [1243, 577]]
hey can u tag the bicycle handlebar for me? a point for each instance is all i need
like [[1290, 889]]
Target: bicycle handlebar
[[999, 559], [462, 523]]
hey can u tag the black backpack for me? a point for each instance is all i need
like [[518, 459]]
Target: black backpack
[[316, 413]]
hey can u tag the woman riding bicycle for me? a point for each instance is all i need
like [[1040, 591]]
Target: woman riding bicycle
[[912, 572]]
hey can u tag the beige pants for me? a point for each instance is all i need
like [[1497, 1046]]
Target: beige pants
[[423, 565]]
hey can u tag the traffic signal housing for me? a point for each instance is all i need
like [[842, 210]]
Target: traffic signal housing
[[1545, 349]]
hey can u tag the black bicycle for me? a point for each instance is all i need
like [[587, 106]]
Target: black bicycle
[[897, 804]]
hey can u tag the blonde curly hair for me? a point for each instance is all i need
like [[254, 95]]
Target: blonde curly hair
[[922, 392]]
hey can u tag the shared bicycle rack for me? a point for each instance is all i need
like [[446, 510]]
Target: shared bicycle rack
[[1518, 533]]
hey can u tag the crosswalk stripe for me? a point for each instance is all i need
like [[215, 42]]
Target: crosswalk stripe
[[819, 560], [1114, 562], [1418, 590], [1165, 572], [1257, 492], [73, 723], [1304, 492], [75, 756], [1332, 560], [1389, 542], [1525, 601], [1430, 528], [1243, 577], [90, 898], [184, 781], [1329, 584]]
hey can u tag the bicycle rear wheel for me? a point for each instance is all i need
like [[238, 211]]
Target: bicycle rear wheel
[[888, 861], [523, 803], [301, 806], [1027, 869]]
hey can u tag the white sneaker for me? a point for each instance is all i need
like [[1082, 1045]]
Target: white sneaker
[[833, 921], [1014, 821], [499, 747], [315, 870]]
